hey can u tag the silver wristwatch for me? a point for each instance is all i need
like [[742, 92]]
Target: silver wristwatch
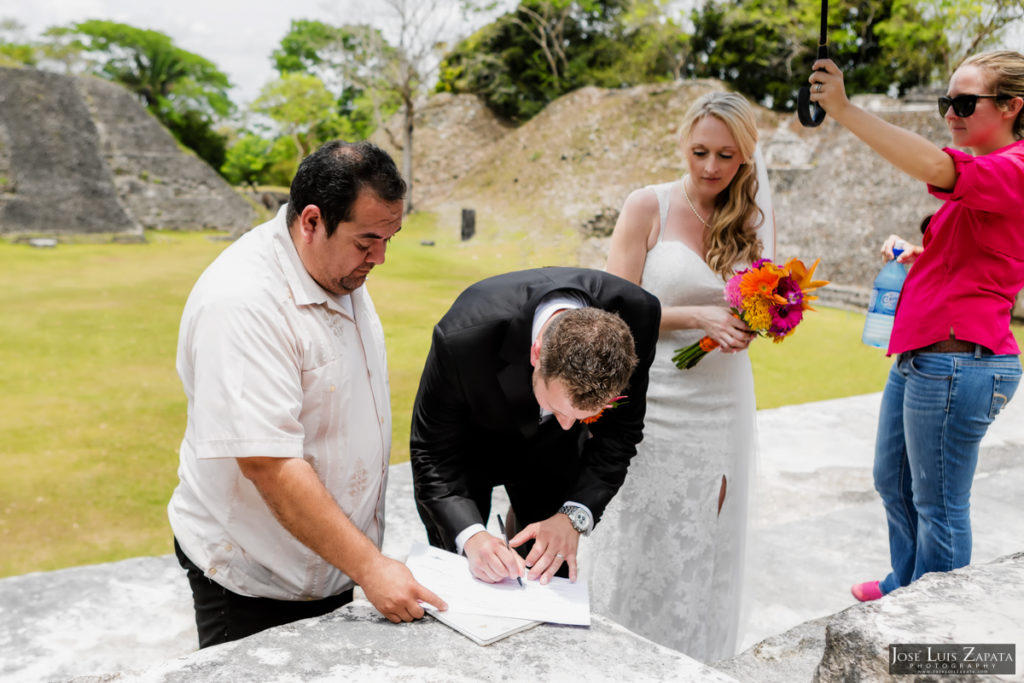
[[579, 517]]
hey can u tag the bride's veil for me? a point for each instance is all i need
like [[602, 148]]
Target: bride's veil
[[766, 230], [745, 572]]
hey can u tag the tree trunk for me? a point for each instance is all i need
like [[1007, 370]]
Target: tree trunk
[[300, 149], [409, 111]]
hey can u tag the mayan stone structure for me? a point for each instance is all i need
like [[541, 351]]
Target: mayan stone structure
[[82, 155]]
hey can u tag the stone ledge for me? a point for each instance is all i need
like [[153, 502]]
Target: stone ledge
[[94, 619], [977, 604], [785, 658], [356, 643]]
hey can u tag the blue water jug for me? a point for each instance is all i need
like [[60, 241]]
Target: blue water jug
[[882, 307]]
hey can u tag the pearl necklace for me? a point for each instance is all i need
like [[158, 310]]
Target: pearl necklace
[[692, 207]]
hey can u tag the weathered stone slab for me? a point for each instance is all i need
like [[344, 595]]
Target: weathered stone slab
[[129, 615], [974, 605], [356, 643], [819, 526], [99, 618], [784, 658]]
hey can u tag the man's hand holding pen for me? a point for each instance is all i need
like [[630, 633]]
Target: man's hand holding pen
[[555, 541], [491, 560]]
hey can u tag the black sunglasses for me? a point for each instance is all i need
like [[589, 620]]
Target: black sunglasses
[[963, 105]]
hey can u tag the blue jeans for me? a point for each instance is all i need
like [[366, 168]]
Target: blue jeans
[[935, 409]]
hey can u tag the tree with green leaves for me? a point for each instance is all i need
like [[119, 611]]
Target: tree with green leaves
[[303, 108], [765, 48], [544, 21], [370, 73], [248, 159], [15, 49], [658, 46], [185, 91], [545, 48], [953, 30], [349, 60]]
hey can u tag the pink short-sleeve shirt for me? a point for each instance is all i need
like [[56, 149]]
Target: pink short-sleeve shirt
[[965, 281]]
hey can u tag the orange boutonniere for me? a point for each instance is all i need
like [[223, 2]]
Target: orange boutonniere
[[617, 401]]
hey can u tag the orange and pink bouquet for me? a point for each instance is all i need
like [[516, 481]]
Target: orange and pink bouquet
[[770, 299]]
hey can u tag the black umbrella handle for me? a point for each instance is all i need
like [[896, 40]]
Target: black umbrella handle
[[810, 113]]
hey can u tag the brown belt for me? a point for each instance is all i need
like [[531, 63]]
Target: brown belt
[[953, 346]]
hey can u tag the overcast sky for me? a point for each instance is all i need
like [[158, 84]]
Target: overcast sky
[[238, 36]]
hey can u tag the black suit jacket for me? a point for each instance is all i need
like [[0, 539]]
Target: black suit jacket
[[475, 422]]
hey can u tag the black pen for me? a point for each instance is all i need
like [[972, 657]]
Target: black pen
[[501, 528]]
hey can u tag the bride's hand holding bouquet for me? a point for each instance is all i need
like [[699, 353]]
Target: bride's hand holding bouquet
[[769, 298], [726, 329]]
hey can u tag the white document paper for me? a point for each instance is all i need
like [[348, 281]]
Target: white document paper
[[482, 629], [447, 575]]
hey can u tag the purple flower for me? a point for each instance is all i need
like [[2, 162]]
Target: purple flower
[[790, 291]]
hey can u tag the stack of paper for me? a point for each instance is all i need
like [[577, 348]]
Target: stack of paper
[[487, 612]]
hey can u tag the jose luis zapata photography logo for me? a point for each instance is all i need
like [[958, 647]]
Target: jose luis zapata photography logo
[[950, 658]]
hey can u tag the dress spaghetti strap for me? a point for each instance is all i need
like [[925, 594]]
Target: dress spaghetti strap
[[663, 192]]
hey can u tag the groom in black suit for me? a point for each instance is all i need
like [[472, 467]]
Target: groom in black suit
[[517, 371]]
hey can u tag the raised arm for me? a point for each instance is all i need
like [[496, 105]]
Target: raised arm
[[911, 153]]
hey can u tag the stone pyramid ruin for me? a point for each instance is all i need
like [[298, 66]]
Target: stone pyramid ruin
[[82, 155]]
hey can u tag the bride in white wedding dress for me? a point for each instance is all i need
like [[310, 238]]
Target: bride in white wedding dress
[[667, 559]]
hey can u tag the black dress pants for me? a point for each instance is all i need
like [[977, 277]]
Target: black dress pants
[[222, 615]]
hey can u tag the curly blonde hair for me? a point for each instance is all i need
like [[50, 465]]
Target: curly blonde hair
[[732, 236], [1005, 71]]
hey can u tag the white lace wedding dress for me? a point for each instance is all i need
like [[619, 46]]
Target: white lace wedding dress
[[663, 561]]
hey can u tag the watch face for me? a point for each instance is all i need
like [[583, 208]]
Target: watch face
[[579, 519]]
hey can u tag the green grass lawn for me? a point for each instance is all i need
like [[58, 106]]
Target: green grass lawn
[[91, 408], [92, 411]]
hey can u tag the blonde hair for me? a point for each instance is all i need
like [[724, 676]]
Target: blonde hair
[[732, 236], [1005, 69]]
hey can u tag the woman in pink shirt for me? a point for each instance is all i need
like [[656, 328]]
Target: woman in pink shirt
[[957, 363]]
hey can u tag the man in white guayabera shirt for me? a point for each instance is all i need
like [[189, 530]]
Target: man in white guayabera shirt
[[279, 511]]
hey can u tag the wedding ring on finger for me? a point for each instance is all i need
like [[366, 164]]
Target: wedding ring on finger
[[820, 87], [560, 556]]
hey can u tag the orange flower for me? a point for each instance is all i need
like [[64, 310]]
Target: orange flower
[[802, 277], [762, 283]]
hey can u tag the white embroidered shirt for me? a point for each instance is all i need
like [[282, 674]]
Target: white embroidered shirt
[[273, 366]]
